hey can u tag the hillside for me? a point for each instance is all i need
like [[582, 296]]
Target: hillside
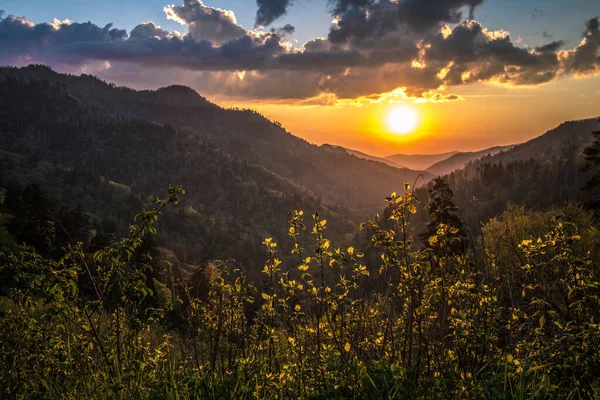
[[360, 154], [542, 173], [419, 161], [336, 178], [570, 136], [459, 160], [231, 204]]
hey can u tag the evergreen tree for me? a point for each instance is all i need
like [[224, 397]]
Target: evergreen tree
[[592, 186], [33, 222], [443, 212]]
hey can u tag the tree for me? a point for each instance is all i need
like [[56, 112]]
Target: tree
[[72, 226], [33, 223], [443, 214], [592, 186]]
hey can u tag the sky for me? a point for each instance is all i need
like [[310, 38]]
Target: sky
[[476, 73]]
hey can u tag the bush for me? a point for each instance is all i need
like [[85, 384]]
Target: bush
[[424, 322]]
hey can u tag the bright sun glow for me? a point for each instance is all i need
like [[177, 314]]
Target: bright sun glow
[[402, 120]]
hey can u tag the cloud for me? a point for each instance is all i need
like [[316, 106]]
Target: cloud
[[372, 49], [426, 14], [148, 30], [206, 23], [550, 47], [287, 29], [367, 26], [21, 39], [474, 54], [339, 7], [270, 10], [585, 58]]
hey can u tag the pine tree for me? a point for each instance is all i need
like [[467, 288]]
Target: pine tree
[[443, 211], [592, 186], [33, 223]]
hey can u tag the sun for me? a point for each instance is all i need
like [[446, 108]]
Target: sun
[[402, 120]]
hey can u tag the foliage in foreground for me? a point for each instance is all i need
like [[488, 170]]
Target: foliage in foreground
[[427, 322]]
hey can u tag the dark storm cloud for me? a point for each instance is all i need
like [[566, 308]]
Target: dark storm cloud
[[287, 29], [358, 25], [484, 56], [408, 19], [270, 10], [20, 38], [245, 53], [585, 58], [551, 47], [421, 15], [470, 42], [341, 6]]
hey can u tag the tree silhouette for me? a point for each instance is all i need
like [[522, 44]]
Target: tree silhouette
[[33, 223], [592, 186], [443, 211]]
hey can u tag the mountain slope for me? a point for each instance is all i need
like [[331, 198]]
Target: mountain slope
[[232, 204], [336, 178], [419, 161], [360, 154], [566, 140], [541, 173], [570, 136], [459, 160]]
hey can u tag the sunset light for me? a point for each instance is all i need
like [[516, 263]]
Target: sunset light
[[402, 120], [282, 199]]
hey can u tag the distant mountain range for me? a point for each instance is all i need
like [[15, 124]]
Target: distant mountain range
[[459, 160], [419, 161], [434, 164], [342, 150]]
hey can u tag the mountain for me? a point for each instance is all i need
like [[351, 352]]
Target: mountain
[[360, 154], [336, 178], [459, 160], [569, 137], [419, 161], [542, 173], [51, 137]]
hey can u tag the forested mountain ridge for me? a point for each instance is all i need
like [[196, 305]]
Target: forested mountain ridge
[[541, 173], [360, 154], [568, 137], [459, 160], [357, 183], [419, 161], [232, 204]]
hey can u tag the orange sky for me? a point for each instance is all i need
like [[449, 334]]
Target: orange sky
[[488, 116]]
